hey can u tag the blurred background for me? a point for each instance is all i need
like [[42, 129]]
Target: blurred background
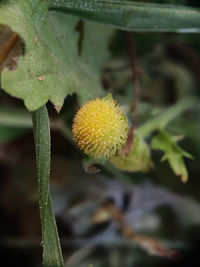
[[153, 204]]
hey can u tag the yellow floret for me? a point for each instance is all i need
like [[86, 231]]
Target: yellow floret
[[100, 128]]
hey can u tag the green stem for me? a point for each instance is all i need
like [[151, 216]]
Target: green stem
[[161, 121], [52, 255]]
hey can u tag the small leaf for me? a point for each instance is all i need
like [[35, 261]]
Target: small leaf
[[173, 153], [139, 158]]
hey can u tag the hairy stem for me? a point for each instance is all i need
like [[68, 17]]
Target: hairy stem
[[52, 255]]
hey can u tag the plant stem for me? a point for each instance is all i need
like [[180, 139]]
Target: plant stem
[[52, 255], [161, 121]]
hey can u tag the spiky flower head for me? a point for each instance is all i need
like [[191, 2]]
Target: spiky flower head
[[100, 128]]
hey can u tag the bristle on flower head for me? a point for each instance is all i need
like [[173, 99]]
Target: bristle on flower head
[[100, 128]]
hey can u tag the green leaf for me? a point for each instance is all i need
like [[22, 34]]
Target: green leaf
[[51, 67], [139, 158], [52, 255], [173, 153], [133, 16]]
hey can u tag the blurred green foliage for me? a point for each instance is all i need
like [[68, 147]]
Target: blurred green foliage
[[65, 55]]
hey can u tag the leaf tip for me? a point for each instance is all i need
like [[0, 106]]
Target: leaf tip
[[58, 107], [184, 179]]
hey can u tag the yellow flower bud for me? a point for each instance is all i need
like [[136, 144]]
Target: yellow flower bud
[[100, 128]]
